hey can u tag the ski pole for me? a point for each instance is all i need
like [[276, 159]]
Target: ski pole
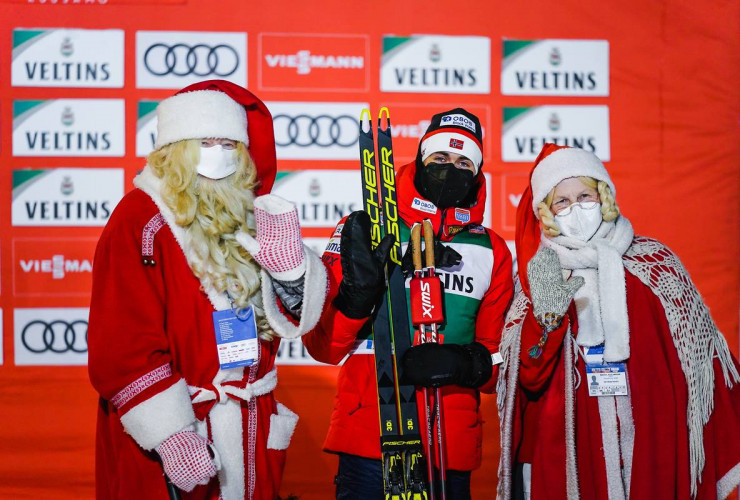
[[429, 270], [172, 492], [416, 256]]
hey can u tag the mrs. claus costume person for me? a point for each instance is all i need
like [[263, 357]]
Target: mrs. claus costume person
[[192, 240], [616, 383]]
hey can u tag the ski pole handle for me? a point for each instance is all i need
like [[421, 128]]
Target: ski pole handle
[[416, 245], [172, 492], [428, 243]]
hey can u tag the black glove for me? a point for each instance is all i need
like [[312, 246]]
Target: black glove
[[444, 258], [363, 279], [435, 365]]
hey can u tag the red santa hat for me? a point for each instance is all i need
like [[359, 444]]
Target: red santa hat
[[222, 110], [553, 164]]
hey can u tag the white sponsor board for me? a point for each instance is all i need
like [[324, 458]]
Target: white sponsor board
[[65, 196], [318, 245], [293, 352], [436, 64], [53, 336], [176, 59], [526, 130], [555, 67], [146, 127], [323, 197], [67, 58], [68, 127], [316, 131]]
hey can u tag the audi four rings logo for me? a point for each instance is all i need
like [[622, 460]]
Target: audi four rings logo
[[191, 60], [56, 336], [321, 130]]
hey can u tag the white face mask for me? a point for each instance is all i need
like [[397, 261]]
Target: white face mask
[[216, 162], [580, 220]]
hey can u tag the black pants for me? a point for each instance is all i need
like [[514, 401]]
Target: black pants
[[360, 478]]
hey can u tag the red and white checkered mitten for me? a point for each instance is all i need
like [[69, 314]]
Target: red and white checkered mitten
[[278, 247], [186, 459]]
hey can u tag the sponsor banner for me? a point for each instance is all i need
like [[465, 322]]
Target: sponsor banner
[[410, 121], [316, 130], [292, 352], [146, 127], [81, 3], [526, 130], [55, 267], [555, 67], [67, 58], [305, 62], [65, 196], [175, 59], [320, 245], [512, 187], [436, 64], [1, 337], [68, 127], [54, 336], [323, 197]]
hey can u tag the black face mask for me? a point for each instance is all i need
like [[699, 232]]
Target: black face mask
[[442, 183]]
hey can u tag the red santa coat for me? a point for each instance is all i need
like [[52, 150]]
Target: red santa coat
[[152, 358], [658, 394]]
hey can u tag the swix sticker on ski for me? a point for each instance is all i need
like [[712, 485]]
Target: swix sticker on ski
[[462, 215], [424, 206], [426, 301]]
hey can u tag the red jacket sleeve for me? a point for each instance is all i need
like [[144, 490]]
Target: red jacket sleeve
[[490, 320], [334, 335]]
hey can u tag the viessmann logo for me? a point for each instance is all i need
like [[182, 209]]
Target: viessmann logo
[[53, 266], [313, 62], [316, 131], [65, 196], [175, 59], [436, 64], [68, 127], [54, 336], [67, 58]]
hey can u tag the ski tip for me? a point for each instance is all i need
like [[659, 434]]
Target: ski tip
[[384, 112], [365, 120]]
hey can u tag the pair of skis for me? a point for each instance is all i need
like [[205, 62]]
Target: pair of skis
[[402, 458]]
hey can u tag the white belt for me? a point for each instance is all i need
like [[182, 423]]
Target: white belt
[[222, 392]]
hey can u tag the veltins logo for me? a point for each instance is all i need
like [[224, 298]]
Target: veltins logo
[[57, 267], [54, 336], [512, 187], [341, 195], [437, 64], [67, 58], [146, 127], [291, 62], [65, 196], [175, 59], [292, 352], [68, 127], [526, 130], [316, 131], [555, 67]]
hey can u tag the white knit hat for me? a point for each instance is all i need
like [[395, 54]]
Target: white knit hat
[[200, 114], [563, 163]]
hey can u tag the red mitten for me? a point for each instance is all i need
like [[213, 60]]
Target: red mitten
[[186, 459], [278, 247]]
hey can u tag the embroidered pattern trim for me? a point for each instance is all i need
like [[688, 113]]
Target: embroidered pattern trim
[[140, 384], [147, 238]]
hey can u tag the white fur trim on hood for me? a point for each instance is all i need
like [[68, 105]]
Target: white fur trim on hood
[[563, 164], [200, 114]]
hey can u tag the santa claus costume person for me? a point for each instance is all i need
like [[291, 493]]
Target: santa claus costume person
[[185, 321], [616, 382]]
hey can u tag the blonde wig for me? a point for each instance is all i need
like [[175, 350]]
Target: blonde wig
[[609, 208], [211, 212]]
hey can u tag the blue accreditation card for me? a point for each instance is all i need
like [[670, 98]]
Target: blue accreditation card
[[609, 379], [236, 338]]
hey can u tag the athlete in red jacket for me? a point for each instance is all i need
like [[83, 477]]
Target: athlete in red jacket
[[444, 184]]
